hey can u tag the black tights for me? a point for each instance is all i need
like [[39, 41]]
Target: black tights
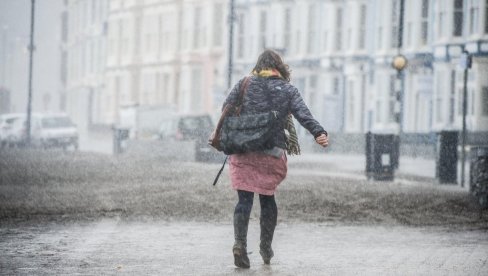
[[269, 211]]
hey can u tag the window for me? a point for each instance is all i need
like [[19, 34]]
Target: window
[[380, 37], [348, 38], [335, 86], [424, 22], [311, 30], [298, 39], [440, 77], [473, 16], [351, 107], [197, 91], [395, 22], [218, 24], [338, 36], [326, 40], [176, 99], [241, 36], [64, 67], [287, 28], [484, 101], [262, 30], [442, 18], [438, 114], [362, 27], [146, 84], [452, 98], [165, 90], [197, 27], [378, 111], [161, 34], [460, 102], [158, 93], [64, 26], [93, 11], [313, 81], [409, 34], [458, 18], [486, 17]]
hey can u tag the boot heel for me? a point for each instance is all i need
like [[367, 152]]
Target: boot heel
[[266, 254], [240, 258]]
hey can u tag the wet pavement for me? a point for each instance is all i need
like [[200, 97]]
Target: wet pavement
[[77, 213], [114, 246]]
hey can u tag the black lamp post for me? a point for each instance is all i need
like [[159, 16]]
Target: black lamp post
[[399, 64], [31, 55], [231, 42]]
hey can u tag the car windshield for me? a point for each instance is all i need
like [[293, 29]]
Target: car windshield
[[56, 122], [195, 123], [11, 120]]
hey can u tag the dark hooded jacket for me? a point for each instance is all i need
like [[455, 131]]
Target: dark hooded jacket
[[266, 94]]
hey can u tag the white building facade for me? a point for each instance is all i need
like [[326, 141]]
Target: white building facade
[[84, 31], [341, 55], [166, 53], [173, 53]]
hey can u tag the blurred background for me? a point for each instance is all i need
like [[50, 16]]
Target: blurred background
[[393, 67]]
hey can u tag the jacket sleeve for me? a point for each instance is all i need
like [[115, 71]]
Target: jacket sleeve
[[303, 115], [233, 95]]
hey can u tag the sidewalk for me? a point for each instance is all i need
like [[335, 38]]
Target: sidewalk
[[111, 246], [352, 166]]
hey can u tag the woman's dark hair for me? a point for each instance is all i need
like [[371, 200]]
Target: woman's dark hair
[[268, 60]]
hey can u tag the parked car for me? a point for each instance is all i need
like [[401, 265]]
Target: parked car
[[54, 130], [6, 123], [197, 128]]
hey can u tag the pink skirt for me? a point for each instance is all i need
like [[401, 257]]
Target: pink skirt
[[257, 172]]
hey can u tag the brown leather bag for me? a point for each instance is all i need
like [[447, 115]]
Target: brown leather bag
[[229, 109]]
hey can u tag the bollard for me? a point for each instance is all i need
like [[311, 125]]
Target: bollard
[[380, 149], [478, 175], [447, 157], [369, 155], [119, 137]]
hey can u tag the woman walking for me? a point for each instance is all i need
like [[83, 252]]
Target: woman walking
[[261, 172]]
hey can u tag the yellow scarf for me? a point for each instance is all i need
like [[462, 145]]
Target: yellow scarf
[[266, 73]]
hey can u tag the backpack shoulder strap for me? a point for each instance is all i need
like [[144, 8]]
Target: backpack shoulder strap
[[242, 91]]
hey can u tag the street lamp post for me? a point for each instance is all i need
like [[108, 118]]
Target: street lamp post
[[231, 42], [466, 65], [399, 63], [31, 54]]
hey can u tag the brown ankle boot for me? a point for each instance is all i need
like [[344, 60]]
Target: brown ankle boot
[[240, 246], [266, 253], [240, 256]]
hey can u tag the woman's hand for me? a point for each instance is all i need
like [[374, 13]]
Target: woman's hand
[[322, 140]]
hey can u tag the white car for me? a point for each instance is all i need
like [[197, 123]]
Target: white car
[[54, 130], [7, 122]]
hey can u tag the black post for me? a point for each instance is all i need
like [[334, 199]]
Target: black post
[[400, 26], [467, 65], [231, 43], [400, 95], [31, 55], [401, 73]]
